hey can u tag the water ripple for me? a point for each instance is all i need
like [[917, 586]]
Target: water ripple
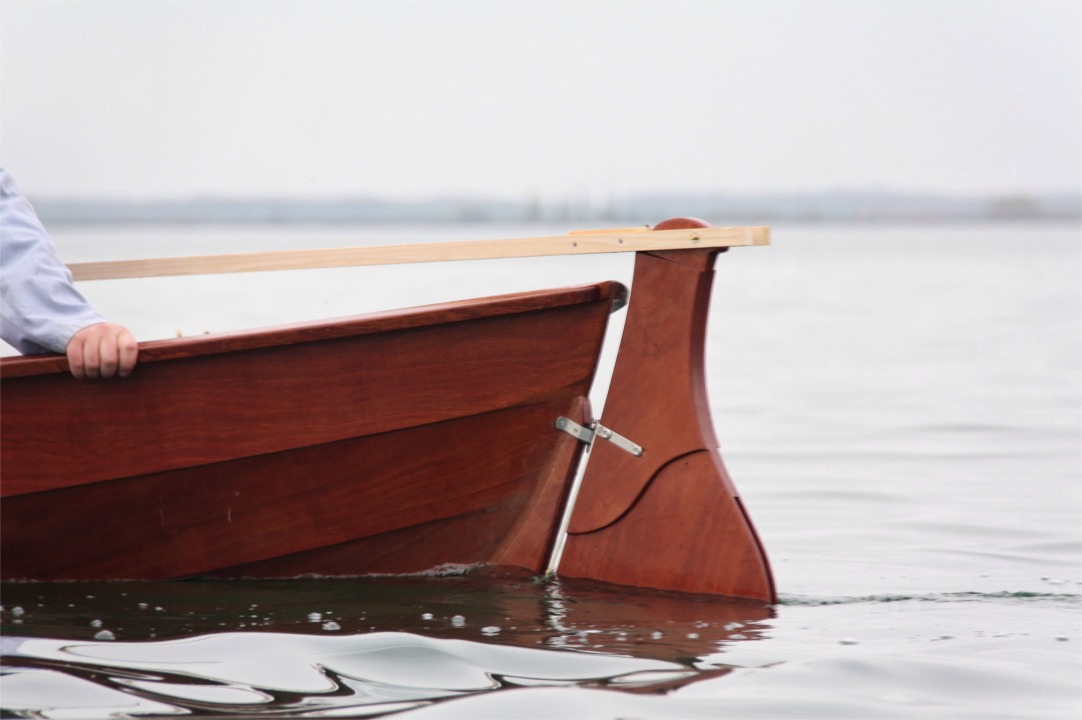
[[248, 672], [802, 600]]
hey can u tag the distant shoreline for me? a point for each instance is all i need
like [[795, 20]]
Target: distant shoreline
[[847, 207]]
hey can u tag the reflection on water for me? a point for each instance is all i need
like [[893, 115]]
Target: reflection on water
[[369, 646]]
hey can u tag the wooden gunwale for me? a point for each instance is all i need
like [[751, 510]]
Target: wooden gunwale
[[355, 325]]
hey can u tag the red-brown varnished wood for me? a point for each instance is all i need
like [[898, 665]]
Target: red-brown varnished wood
[[520, 545], [687, 532], [317, 456], [367, 324], [304, 511], [416, 549], [211, 400], [658, 399]]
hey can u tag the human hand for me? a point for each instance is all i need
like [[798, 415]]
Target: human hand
[[102, 350]]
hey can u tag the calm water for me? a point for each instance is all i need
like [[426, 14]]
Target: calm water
[[900, 406]]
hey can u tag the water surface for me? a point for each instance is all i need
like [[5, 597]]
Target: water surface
[[899, 406]]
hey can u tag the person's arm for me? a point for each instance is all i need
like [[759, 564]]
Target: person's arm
[[40, 309]]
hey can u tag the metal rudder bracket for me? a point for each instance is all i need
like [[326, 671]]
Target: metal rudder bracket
[[596, 429], [586, 434]]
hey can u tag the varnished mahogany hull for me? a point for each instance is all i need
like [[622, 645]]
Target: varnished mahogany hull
[[393, 443], [390, 443]]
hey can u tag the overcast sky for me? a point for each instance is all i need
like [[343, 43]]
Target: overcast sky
[[575, 99]]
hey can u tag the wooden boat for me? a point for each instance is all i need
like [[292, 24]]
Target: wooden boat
[[396, 442]]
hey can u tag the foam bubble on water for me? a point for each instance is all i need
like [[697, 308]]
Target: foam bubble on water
[[657, 635], [95, 623], [693, 636], [426, 616], [490, 630], [17, 611], [142, 606], [443, 570], [458, 621], [331, 625], [104, 635], [315, 617]]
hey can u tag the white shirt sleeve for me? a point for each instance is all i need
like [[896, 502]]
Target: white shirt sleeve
[[40, 309]]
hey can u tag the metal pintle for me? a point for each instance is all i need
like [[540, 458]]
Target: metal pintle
[[587, 434]]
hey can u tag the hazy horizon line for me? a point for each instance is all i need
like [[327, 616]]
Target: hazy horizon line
[[864, 205], [585, 198]]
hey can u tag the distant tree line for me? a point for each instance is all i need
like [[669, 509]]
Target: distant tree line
[[717, 208]]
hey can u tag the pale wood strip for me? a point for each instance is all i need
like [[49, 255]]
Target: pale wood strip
[[593, 242]]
